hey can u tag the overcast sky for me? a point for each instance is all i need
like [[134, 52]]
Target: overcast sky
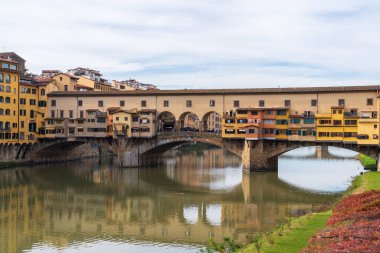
[[200, 43]]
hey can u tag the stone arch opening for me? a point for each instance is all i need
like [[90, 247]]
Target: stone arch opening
[[189, 122], [166, 122], [71, 150], [212, 122]]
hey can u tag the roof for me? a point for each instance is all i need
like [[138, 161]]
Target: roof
[[51, 71], [43, 80], [67, 74], [251, 91], [8, 54]]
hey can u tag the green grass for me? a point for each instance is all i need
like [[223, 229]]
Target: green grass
[[367, 162], [367, 182], [295, 239]]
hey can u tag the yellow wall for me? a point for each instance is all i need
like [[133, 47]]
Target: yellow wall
[[9, 104], [121, 119]]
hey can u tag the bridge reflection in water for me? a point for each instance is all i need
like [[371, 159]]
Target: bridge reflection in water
[[194, 196]]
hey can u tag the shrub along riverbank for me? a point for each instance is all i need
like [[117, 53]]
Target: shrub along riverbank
[[296, 234], [367, 162]]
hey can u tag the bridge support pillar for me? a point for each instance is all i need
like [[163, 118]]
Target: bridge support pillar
[[255, 156]]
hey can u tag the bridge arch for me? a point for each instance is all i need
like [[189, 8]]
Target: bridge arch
[[211, 122], [166, 121], [165, 141], [64, 150], [189, 121], [263, 154]]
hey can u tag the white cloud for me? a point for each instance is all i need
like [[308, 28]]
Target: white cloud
[[208, 43]]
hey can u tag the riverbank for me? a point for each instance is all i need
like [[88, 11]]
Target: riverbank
[[296, 237]]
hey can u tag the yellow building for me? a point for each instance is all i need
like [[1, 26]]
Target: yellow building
[[29, 115], [338, 125], [282, 121], [65, 82], [368, 128], [122, 122], [9, 89]]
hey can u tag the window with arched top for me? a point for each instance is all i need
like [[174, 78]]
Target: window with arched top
[[7, 78], [1, 78], [7, 112], [7, 89], [42, 92], [1, 111], [7, 125], [8, 100], [1, 125]]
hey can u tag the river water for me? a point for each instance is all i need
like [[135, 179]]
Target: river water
[[197, 194]]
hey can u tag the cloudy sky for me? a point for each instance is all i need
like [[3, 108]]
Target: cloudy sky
[[200, 43]]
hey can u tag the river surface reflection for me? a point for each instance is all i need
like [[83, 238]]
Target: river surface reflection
[[93, 206]]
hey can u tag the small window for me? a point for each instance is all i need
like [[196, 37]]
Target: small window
[[81, 114], [66, 87], [122, 102], [212, 103], [80, 102], [61, 114], [60, 79], [125, 118], [71, 114], [42, 92], [287, 103], [314, 102], [100, 103], [341, 102], [143, 103], [117, 118], [53, 103], [261, 103], [166, 103], [188, 103], [52, 114], [369, 101], [236, 103]]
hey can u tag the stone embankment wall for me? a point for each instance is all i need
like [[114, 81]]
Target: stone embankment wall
[[37, 154]]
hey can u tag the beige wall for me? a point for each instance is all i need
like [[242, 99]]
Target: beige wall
[[201, 103]]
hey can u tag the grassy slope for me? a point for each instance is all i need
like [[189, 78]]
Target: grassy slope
[[296, 239], [368, 181]]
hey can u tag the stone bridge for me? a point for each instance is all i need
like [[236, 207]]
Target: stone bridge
[[131, 152]]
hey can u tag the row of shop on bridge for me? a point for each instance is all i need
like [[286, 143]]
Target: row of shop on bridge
[[278, 123]]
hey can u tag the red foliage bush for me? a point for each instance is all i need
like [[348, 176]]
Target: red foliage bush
[[353, 227]]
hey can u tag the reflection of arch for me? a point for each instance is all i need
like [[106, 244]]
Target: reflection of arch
[[191, 213], [211, 122], [214, 214], [166, 121], [189, 121]]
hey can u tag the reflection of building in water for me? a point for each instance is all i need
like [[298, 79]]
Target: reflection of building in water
[[96, 201], [214, 122], [189, 168]]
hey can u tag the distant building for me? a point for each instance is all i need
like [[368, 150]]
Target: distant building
[[12, 56], [132, 84], [87, 72], [50, 73]]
